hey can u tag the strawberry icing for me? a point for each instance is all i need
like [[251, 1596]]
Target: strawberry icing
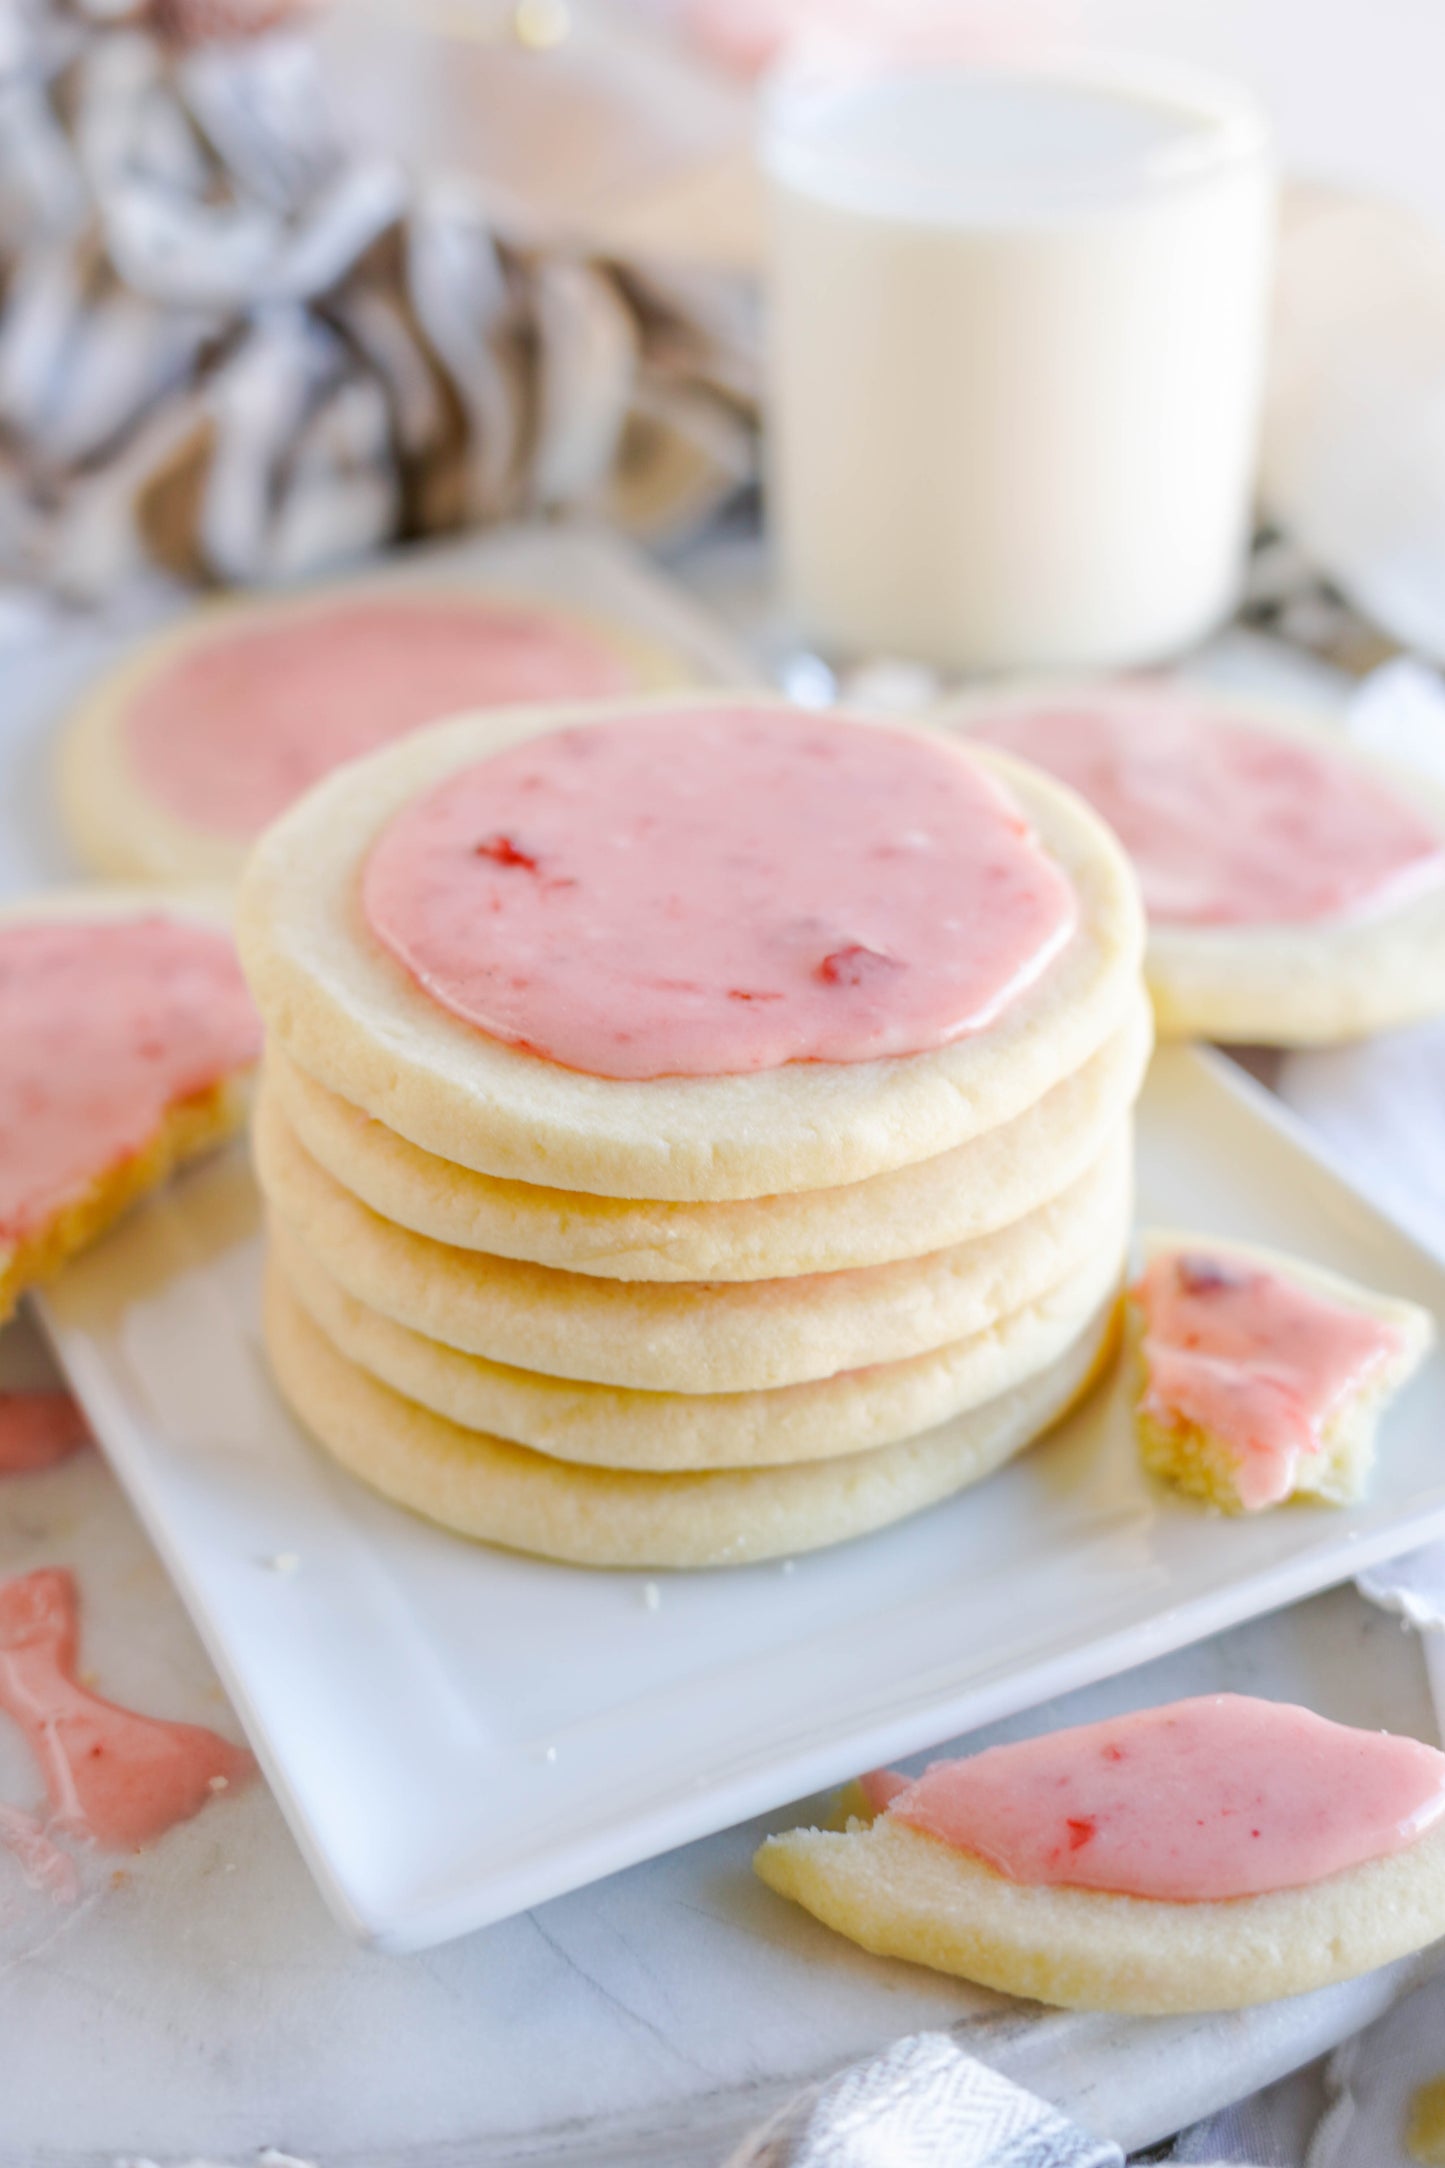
[[719, 890], [37, 1430], [1219, 1797], [1227, 825], [105, 1025], [113, 1776], [225, 736], [1256, 1359]]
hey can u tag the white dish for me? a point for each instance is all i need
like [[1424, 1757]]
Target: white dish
[[456, 1734]]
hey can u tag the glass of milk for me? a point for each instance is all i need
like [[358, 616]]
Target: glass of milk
[[1018, 320]]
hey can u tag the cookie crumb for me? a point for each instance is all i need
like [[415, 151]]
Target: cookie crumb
[[651, 1596], [1425, 2131]]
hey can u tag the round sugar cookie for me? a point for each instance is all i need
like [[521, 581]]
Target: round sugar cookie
[[903, 1894], [612, 1427], [1297, 981], [97, 1108], [177, 759], [980, 1186], [352, 1018], [689, 1337], [504, 1494]]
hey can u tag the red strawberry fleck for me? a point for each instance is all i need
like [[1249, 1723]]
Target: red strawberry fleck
[[1081, 1832], [855, 965], [504, 852]]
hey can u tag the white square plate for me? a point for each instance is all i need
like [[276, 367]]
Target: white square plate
[[456, 1733]]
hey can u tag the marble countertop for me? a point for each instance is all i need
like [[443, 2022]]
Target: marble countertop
[[199, 2001]]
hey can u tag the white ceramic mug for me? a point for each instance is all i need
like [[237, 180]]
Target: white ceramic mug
[[1018, 322]]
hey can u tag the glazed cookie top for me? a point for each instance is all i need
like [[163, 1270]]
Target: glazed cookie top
[[106, 1022], [230, 729], [1228, 823], [358, 1020], [717, 892], [1223, 1796]]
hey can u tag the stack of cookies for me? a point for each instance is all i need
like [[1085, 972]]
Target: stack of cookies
[[692, 1132]]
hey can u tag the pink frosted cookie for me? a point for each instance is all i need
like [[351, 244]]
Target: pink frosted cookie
[[126, 1042], [175, 762], [1295, 885], [689, 950], [1201, 1856]]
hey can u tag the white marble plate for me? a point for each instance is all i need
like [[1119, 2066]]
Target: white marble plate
[[456, 1733]]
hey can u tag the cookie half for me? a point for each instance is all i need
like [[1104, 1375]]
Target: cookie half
[[900, 1893], [127, 1043]]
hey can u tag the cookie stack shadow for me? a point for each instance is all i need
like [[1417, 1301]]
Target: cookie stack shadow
[[618, 1380]]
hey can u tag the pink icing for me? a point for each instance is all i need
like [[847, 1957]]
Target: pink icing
[[1220, 1797], [880, 1787], [113, 1776], [1253, 1357], [105, 1024], [228, 734], [1227, 825], [37, 1430], [719, 890]]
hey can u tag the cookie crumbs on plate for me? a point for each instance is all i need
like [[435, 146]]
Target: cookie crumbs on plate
[[651, 1596]]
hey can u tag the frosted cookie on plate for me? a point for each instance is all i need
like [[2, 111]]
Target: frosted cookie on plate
[[737, 1102], [180, 756], [1205, 1855], [1295, 884], [1262, 1378], [127, 1039], [689, 950]]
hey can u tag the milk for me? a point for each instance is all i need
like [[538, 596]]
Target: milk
[[1017, 338]]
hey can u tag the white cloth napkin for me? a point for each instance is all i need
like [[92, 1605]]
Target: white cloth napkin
[[923, 2103], [1354, 433], [1381, 1108], [238, 346]]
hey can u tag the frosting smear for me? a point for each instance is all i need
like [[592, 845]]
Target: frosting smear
[[1223, 1796], [112, 1775], [1254, 1358], [240, 724], [1226, 825], [39, 1429], [719, 890], [105, 1024]]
